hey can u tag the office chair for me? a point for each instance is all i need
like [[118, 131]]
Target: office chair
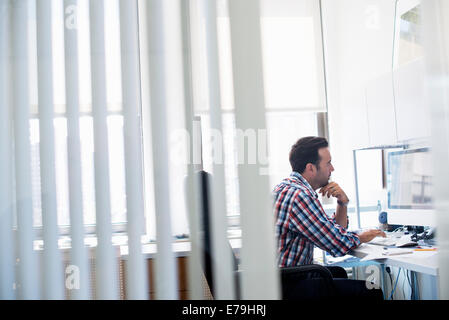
[[301, 282]]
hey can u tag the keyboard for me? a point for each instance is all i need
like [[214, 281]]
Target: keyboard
[[388, 241], [397, 240]]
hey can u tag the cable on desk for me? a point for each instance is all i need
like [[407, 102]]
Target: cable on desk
[[388, 270], [397, 279], [411, 284], [416, 289], [399, 229], [403, 283]]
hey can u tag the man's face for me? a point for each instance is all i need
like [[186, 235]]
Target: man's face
[[324, 167]]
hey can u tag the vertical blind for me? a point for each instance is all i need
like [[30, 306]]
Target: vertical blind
[[106, 269], [6, 165], [259, 270], [75, 87], [222, 260], [166, 285], [435, 35], [52, 266], [78, 251], [27, 280]]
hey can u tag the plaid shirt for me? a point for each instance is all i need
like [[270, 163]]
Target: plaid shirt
[[301, 224]]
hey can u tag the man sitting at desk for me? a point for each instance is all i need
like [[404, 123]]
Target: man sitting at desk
[[301, 222]]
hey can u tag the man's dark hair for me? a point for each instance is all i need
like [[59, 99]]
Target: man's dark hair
[[305, 151]]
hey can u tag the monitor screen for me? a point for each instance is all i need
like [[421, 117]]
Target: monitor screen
[[409, 179]]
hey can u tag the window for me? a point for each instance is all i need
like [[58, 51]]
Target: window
[[294, 84], [370, 172], [294, 88], [115, 117]]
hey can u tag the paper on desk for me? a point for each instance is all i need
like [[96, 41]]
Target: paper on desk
[[396, 252], [373, 256]]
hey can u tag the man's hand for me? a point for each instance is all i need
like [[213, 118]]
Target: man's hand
[[369, 235], [332, 189]]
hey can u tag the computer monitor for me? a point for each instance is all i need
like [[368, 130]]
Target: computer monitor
[[409, 186]]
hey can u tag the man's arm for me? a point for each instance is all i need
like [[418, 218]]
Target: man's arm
[[334, 190], [310, 220], [369, 235], [341, 215]]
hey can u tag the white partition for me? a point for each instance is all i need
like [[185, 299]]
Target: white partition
[[78, 253], [260, 278], [166, 276], [436, 45], [7, 274], [136, 275], [27, 280], [107, 286], [222, 263], [192, 184], [380, 111], [52, 264], [411, 107]]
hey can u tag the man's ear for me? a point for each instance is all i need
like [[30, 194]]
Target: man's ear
[[310, 168]]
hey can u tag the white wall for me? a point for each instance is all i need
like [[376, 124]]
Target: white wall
[[358, 36]]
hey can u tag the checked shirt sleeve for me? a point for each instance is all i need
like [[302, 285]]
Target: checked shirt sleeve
[[310, 220], [335, 220]]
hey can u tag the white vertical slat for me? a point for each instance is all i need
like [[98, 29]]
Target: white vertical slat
[[436, 44], [146, 127], [166, 275], [136, 275], [106, 274], [192, 183], [6, 196], [27, 274], [78, 251], [53, 277], [221, 255], [260, 279]]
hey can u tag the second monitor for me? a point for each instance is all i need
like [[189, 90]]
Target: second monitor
[[409, 186]]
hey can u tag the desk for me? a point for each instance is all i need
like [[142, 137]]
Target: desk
[[424, 263], [419, 261]]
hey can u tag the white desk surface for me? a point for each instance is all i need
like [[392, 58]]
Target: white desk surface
[[418, 261]]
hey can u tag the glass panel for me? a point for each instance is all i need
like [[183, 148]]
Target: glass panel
[[87, 168], [116, 163], [117, 168], [62, 176], [284, 129], [229, 156], [112, 58]]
